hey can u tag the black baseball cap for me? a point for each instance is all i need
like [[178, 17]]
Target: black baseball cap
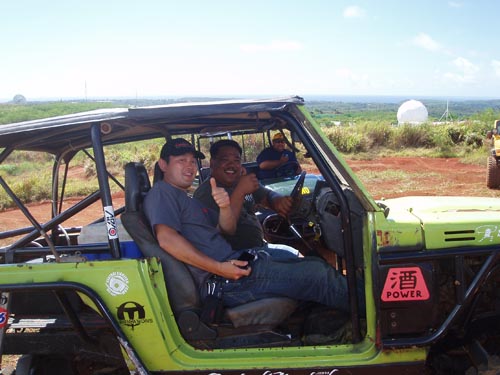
[[179, 146]]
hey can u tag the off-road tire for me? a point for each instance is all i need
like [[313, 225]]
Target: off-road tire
[[43, 365], [492, 173]]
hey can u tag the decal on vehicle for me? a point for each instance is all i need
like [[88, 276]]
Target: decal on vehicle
[[405, 284], [109, 217], [4, 317], [305, 190], [383, 238], [278, 372], [117, 283], [132, 314], [489, 232]]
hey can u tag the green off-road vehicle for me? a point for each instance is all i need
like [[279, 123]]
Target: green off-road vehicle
[[102, 297], [493, 162]]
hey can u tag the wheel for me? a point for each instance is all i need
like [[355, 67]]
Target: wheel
[[276, 227], [288, 169], [492, 173], [296, 193], [43, 365]]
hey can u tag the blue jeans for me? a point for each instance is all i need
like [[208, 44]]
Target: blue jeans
[[280, 251], [303, 279]]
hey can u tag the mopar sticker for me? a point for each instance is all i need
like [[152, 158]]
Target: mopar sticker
[[109, 217], [132, 314], [117, 283], [405, 284]]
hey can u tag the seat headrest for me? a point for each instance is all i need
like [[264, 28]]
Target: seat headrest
[[137, 185], [158, 174]]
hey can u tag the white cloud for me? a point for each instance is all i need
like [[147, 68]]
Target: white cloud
[[275, 45], [425, 41], [466, 71], [455, 4], [354, 11], [496, 66], [355, 79], [465, 65]]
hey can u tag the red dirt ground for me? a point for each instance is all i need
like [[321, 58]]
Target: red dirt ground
[[428, 176]]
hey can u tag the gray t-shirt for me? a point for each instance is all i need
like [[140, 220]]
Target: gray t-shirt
[[248, 230], [165, 204]]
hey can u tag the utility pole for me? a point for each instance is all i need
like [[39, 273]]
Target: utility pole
[[446, 114]]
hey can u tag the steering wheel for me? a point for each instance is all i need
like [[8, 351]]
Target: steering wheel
[[287, 170], [279, 229], [275, 226], [296, 193]]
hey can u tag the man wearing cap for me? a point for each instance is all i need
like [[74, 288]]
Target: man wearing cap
[[276, 161], [190, 232], [245, 192]]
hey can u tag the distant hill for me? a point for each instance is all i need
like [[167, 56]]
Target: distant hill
[[342, 108]]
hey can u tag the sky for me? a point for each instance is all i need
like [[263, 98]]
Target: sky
[[163, 48]]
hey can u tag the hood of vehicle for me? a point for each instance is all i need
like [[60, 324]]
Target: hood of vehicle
[[447, 222], [285, 185]]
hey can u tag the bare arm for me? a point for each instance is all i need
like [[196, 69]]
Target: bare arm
[[272, 164], [247, 184], [279, 203], [180, 248], [227, 219]]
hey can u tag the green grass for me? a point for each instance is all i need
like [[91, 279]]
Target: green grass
[[11, 113]]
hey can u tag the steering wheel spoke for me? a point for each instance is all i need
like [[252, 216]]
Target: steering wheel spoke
[[296, 193]]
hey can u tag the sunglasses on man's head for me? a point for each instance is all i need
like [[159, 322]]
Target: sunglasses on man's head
[[279, 141]]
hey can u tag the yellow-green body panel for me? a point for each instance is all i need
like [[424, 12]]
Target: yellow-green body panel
[[156, 338]]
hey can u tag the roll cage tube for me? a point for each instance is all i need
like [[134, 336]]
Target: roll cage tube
[[102, 178], [346, 224], [30, 217]]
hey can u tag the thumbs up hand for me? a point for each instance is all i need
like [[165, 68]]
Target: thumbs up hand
[[220, 195]]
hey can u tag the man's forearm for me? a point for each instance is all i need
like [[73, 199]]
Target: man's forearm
[[237, 200], [270, 164], [180, 248]]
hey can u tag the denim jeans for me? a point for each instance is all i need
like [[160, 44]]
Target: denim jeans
[[280, 251], [303, 279]]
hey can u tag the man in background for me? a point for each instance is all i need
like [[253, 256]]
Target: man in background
[[277, 161]]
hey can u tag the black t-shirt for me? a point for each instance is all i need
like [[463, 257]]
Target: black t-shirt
[[248, 230]]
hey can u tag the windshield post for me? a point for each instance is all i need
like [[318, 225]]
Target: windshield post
[[107, 203]]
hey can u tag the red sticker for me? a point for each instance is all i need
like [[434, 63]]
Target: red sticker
[[405, 284], [4, 317]]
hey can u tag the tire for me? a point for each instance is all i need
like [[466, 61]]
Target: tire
[[43, 365], [492, 173]]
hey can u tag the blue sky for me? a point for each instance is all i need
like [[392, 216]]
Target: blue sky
[[72, 49]]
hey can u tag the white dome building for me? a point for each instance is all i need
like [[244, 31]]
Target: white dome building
[[412, 112]]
